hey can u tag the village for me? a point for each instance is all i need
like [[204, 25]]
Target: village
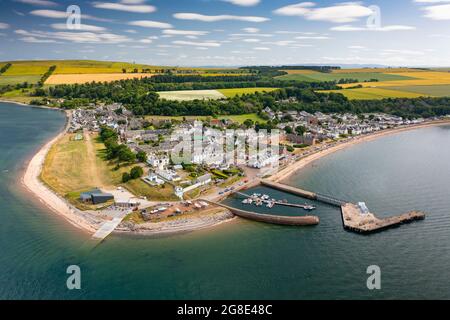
[[206, 175]]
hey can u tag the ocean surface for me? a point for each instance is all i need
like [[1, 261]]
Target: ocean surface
[[241, 259]]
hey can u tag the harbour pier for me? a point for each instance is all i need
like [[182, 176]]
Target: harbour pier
[[272, 219], [355, 218]]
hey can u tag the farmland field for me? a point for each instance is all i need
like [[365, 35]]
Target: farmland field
[[22, 69], [190, 95], [230, 93], [378, 70], [375, 94], [4, 80], [434, 91], [420, 78], [360, 76], [301, 71], [97, 77]]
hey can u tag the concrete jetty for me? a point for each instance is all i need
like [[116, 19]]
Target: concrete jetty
[[354, 220], [353, 217], [289, 189], [272, 219]]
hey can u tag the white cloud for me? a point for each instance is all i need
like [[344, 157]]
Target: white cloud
[[43, 3], [440, 12], [312, 38], [406, 52], [132, 1], [83, 27], [251, 40], [208, 18], [339, 13], [261, 48], [55, 14], [346, 28], [244, 3], [4, 25], [197, 44], [77, 37], [124, 7], [150, 24], [251, 30], [36, 40], [263, 35], [185, 32]]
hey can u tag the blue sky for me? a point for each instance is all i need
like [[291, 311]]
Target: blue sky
[[230, 32]]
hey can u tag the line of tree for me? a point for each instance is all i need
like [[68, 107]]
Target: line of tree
[[5, 67], [46, 75]]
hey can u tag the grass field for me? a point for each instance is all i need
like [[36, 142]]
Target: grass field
[[434, 91], [377, 70], [300, 71], [230, 93], [360, 76], [18, 69], [4, 80], [375, 94], [67, 167], [190, 95], [74, 166], [97, 77], [235, 118], [17, 96], [421, 78]]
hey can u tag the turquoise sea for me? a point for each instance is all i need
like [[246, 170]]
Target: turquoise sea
[[241, 259]]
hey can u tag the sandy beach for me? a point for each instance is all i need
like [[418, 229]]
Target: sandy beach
[[294, 167], [33, 184]]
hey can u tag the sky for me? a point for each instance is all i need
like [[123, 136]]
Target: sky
[[229, 32]]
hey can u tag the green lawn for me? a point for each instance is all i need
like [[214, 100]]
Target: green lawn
[[230, 93], [434, 91], [360, 76]]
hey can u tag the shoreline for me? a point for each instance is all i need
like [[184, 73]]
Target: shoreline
[[84, 221], [300, 164], [30, 105], [32, 183]]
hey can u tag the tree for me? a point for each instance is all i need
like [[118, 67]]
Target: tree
[[249, 123], [141, 156], [301, 130], [125, 154], [288, 130], [126, 177], [136, 172]]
